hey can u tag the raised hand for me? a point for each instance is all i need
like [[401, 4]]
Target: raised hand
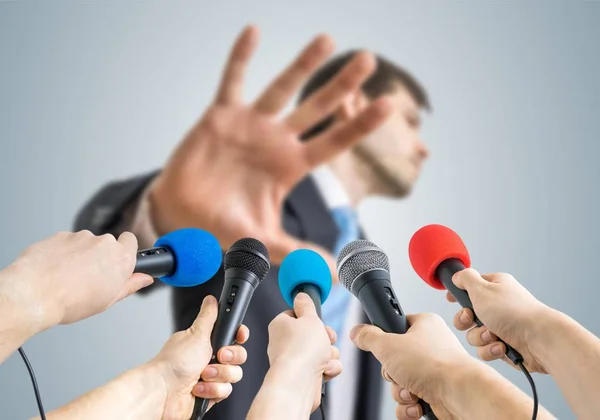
[[234, 169]]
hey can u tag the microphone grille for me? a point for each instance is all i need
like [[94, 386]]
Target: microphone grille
[[249, 254], [359, 257]]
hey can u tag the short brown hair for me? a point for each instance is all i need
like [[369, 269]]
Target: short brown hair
[[382, 81]]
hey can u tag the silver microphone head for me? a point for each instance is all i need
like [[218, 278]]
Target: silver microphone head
[[357, 258]]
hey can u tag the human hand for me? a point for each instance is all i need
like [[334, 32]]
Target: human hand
[[72, 276], [299, 339], [421, 363], [185, 359], [256, 157], [506, 309]]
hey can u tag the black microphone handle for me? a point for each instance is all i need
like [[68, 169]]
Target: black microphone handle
[[237, 292], [315, 294], [444, 273], [156, 262], [376, 295]]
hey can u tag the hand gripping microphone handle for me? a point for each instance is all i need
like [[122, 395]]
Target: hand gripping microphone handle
[[383, 309], [237, 292], [444, 273], [312, 291]]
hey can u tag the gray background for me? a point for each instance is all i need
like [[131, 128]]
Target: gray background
[[91, 91]]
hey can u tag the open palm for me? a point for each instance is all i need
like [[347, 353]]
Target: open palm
[[234, 169]]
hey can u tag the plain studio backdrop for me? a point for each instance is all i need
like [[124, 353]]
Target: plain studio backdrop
[[96, 90]]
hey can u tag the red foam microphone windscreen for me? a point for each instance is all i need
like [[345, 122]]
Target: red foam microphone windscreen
[[430, 246]]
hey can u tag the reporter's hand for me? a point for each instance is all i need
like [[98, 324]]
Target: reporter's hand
[[506, 309], [256, 156], [72, 276], [423, 361], [299, 340], [185, 357]]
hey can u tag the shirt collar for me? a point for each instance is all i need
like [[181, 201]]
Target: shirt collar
[[330, 188]]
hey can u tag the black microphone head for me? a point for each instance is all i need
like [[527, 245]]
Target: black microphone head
[[357, 258], [248, 254]]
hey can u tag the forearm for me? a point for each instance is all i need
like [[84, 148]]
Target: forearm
[[18, 322], [571, 355], [137, 394], [286, 393], [479, 392]]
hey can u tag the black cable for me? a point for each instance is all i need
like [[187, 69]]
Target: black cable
[[34, 382], [322, 407], [533, 389]]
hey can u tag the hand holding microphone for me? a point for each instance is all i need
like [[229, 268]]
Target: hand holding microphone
[[71, 276], [506, 309]]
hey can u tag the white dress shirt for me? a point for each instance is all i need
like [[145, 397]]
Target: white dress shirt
[[342, 390]]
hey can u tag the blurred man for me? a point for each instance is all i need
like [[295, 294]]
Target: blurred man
[[242, 171]]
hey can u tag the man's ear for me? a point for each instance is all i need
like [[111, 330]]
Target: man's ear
[[351, 106]]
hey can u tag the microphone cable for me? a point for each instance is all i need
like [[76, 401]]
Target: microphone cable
[[36, 390], [533, 389]]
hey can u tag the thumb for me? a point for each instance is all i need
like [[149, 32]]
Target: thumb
[[367, 337], [204, 322], [304, 306], [136, 282], [285, 244], [469, 280]]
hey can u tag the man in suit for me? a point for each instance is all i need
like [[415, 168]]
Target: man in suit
[[242, 172]]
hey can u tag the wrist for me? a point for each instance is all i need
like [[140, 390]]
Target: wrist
[[26, 312], [548, 334]]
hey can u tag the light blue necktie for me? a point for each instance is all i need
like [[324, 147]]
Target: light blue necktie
[[335, 308]]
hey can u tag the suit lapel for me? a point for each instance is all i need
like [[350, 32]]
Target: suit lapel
[[316, 223]]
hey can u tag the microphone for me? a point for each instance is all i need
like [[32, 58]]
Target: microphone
[[182, 258], [364, 269], [246, 265], [305, 271], [436, 253]]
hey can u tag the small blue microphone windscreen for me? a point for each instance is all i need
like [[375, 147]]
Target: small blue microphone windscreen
[[304, 266], [198, 256]]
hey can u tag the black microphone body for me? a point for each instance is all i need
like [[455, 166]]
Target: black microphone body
[[156, 262], [313, 292], [246, 265], [444, 273], [238, 289], [375, 292]]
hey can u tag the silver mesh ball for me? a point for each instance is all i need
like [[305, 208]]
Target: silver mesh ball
[[360, 262]]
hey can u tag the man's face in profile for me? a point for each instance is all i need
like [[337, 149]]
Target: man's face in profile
[[395, 153]]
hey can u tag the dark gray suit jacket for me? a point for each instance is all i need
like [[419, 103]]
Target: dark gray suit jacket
[[304, 216]]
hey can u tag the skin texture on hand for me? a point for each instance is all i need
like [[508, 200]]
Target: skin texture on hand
[[549, 341], [64, 279], [165, 387], [506, 309], [428, 362], [257, 156], [301, 354]]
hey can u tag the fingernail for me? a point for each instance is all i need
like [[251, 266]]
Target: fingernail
[[353, 332], [412, 411], [485, 336], [302, 296], [405, 395], [209, 372], [200, 388], [465, 317], [226, 355], [497, 349]]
